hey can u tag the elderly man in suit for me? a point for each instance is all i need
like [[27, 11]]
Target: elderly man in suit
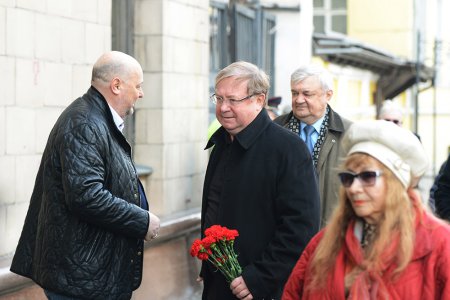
[[313, 120]]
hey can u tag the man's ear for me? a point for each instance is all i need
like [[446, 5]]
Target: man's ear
[[115, 85], [329, 94], [261, 99]]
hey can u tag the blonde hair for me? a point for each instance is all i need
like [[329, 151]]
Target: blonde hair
[[397, 222]]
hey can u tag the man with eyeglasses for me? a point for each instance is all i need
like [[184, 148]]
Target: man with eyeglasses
[[313, 120], [260, 181], [391, 111]]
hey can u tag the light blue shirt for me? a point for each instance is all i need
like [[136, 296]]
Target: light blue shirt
[[315, 134]]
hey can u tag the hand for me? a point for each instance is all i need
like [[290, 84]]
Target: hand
[[153, 227], [240, 290]]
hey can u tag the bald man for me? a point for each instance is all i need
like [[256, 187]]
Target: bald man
[[88, 216]]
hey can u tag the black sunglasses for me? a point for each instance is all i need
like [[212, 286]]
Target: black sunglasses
[[367, 178], [393, 121]]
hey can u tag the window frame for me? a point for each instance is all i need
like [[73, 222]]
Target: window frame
[[327, 12]]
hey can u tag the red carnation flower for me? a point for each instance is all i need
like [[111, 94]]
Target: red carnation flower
[[217, 248], [196, 247]]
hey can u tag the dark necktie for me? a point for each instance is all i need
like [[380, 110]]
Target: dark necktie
[[143, 197], [308, 140]]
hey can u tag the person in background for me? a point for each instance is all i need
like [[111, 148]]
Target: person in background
[[84, 232], [313, 120], [260, 181], [391, 111], [381, 242], [213, 126], [272, 107], [441, 194], [442, 197]]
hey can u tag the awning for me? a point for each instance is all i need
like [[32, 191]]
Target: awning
[[396, 74]]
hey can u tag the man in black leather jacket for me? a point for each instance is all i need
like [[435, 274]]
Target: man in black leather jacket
[[88, 215]]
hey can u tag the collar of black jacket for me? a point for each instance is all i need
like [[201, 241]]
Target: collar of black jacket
[[103, 106], [95, 94], [248, 135]]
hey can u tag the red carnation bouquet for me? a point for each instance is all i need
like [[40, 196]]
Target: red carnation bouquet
[[217, 248]]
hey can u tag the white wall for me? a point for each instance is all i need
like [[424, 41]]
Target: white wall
[[293, 44], [47, 49]]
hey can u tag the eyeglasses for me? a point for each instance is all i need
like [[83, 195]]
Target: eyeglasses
[[232, 102], [393, 121], [367, 178]]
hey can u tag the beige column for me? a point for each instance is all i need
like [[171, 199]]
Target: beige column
[[171, 43]]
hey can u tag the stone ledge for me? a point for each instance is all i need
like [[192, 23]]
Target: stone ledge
[[11, 282], [143, 170], [172, 227]]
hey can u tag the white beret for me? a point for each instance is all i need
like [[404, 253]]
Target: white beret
[[395, 147]]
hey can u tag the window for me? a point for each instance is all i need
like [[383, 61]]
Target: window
[[218, 37], [330, 16]]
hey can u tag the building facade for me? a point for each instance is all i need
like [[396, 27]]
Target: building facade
[[47, 49]]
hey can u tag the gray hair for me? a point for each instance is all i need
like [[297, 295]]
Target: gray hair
[[390, 107], [114, 63], [258, 80], [313, 70]]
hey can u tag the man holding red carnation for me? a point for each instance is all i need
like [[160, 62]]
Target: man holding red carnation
[[260, 182]]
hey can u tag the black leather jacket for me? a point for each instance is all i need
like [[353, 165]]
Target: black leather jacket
[[83, 233]]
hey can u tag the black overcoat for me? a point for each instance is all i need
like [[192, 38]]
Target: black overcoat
[[270, 196]]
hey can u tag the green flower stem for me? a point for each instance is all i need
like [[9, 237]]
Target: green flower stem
[[225, 260], [219, 266], [233, 259]]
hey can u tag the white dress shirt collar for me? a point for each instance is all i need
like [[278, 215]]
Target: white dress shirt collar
[[117, 119]]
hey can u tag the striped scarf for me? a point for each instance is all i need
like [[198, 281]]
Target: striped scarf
[[294, 126]]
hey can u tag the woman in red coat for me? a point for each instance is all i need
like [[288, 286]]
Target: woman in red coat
[[381, 242]]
